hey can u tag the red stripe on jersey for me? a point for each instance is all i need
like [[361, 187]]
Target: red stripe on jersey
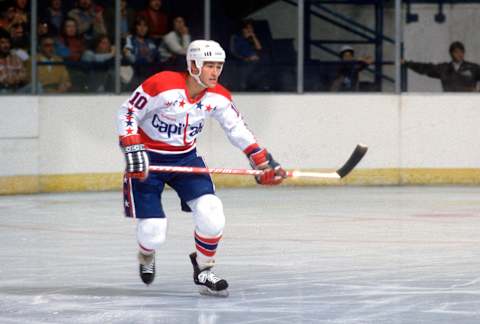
[[213, 240], [219, 89], [164, 81], [205, 251], [161, 146], [185, 133]]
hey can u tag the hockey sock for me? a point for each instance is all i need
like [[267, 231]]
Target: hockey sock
[[206, 248]]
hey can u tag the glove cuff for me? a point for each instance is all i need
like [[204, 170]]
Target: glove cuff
[[253, 148], [260, 159]]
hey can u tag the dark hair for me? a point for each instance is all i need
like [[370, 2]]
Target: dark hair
[[456, 45], [244, 23], [5, 34], [45, 37], [64, 23], [171, 22], [138, 20], [98, 40]]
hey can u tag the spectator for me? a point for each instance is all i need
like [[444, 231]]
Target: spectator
[[157, 20], [175, 43], [89, 18], [456, 76], [21, 11], [101, 73], [19, 40], [54, 16], [44, 28], [140, 50], [13, 75], [53, 77], [247, 48], [348, 70], [70, 45], [8, 16], [126, 21]]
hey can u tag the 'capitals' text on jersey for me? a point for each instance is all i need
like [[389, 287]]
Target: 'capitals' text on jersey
[[168, 121]]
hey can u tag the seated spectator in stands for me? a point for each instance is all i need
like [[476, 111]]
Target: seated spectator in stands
[[247, 48], [126, 21], [89, 18], [456, 76], [44, 28], [13, 74], [53, 78], [157, 20], [348, 70], [174, 46], [140, 51], [70, 44], [54, 15], [101, 73], [21, 11], [20, 42], [8, 16]]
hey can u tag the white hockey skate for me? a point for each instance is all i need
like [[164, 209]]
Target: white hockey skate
[[208, 283], [146, 267]]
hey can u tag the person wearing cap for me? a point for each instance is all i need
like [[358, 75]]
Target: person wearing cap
[[457, 75], [159, 125], [348, 70]]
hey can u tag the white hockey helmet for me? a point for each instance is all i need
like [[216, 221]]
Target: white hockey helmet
[[201, 51]]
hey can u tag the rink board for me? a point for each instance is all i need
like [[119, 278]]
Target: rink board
[[364, 177], [69, 143]]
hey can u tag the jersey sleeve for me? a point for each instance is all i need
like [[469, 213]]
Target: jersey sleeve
[[133, 110], [234, 126]]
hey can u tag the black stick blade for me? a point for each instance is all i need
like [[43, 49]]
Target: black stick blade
[[353, 160]]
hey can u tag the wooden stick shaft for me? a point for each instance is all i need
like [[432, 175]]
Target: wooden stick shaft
[[249, 172]]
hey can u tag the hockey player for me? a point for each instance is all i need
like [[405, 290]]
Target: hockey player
[[159, 125]]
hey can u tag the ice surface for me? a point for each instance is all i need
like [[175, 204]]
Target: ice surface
[[291, 255]]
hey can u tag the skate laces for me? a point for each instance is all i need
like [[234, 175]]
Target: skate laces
[[148, 268], [208, 275]]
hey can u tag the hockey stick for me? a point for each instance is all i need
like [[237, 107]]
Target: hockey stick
[[352, 161]]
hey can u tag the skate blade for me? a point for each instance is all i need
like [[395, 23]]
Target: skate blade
[[208, 292]]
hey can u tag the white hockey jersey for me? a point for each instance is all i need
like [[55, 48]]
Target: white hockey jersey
[[168, 121]]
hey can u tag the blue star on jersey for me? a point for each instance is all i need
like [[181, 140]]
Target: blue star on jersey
[[199, 105]]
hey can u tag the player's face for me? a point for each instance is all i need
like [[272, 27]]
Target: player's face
[[210, 73]]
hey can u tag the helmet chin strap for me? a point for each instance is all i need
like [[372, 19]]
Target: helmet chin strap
[[197, 76]]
